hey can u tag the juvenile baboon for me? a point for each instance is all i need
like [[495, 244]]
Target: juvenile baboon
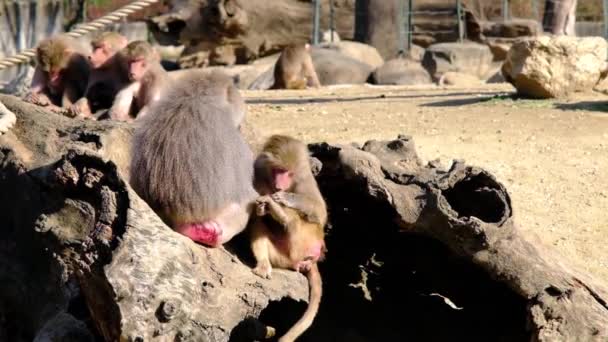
[[61, 74], [288, 231], [148, 81], [294, 69], [108, 75], [191, 164]]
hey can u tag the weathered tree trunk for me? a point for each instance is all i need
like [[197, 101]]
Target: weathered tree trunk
[[82, 255], [376, 24], [383, 202], [560, 17], [229, 31], [416, 252]]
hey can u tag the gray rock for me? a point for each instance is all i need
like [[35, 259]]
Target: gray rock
[[401, 71], [469, 58]]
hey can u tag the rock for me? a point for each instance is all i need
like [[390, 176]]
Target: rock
[[550, 67], [264, 81], [334, 67], [513, 28], [326, 37], [355, 50], [459, 79], [469, 58], [401, 71], [499, 48], [416, 53]]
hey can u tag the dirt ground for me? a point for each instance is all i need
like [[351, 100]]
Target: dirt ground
[[551, 155]]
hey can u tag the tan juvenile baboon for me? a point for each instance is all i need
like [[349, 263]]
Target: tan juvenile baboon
[[289, 230], [108, 75], [61, 74], [191, 164], [294, 69], [148, 81]]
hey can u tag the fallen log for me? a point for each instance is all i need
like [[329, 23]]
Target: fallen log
[[79, 246], [425, 253], [415, 252]]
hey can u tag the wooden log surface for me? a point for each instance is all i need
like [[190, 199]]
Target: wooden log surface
[[76, 240], [416, 252]]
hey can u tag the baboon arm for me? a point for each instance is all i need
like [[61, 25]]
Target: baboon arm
[[122, 103], [70, 96], [302, 203], [276, 211], [38, 81]]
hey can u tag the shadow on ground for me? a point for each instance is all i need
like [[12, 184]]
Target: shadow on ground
[[593, 106], [304, 100]]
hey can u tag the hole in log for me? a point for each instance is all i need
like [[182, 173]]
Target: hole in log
[[382, 285], [477, 196]]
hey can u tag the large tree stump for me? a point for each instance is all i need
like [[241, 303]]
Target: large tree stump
[[80, 249]]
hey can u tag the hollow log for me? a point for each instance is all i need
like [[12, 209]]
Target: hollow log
[[392, 211], [83, 255], [415, 252]]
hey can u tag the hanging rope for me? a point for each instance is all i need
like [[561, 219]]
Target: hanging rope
[[95, 25]]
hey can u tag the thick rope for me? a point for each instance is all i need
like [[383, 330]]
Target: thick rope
[[98, 24]]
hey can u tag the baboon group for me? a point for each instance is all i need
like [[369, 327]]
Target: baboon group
[[189, 161]]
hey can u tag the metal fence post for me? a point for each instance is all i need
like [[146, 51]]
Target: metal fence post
[[315, 24], [410, 24], [606, 18], [332, 24], [505, 10], [535, 9], [401, 27], [459, 15]]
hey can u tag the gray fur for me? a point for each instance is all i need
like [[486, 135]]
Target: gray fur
[[188, 159]]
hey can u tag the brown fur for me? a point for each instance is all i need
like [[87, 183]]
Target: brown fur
[[290, 224], [114, 40], [189, 161], [284, 152], [107, 80], [65, 56], [294, 69], [134, 100]]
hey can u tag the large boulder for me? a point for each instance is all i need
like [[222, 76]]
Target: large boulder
[[334, 67], [469, 58], [547, 67], [401, 71], [359, 51]]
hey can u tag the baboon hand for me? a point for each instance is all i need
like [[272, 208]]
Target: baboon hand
[[262, 203]]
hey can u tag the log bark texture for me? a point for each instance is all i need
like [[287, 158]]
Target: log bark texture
[[469, 211], [83, 255]]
